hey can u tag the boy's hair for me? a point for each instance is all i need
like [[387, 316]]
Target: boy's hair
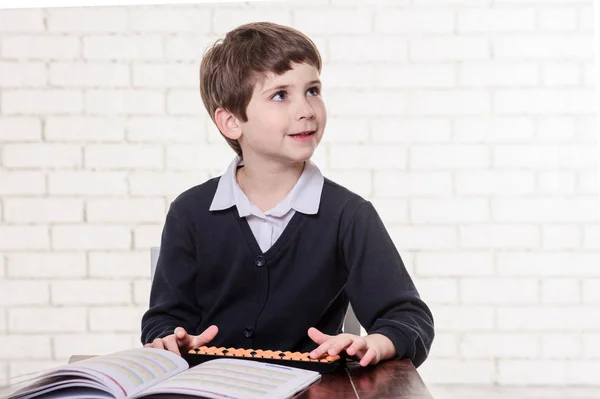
[[232, 66]]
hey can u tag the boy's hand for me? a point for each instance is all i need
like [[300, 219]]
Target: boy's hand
[[181, 340], [369, 350]]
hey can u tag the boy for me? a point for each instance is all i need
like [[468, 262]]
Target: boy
[[269, 255]]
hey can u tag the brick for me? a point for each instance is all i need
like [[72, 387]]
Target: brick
[[359, 182], [141, 292], [42, 102], [346, 102], [3, 266], [20, 129], [563, 74], [445, 345], [544, 156], [438, 264], [543, 47], [84, 129], [22, 20], [449, 103], [557, 19], [346, 130], [585, 128], [560, 291], [124, 102], [367, 157], [590, 344], [424, 237], [455, 371], [449, 156], [130, 210], [65, 345], [498, 74], [165, 183], [414, 21], [575, 209], [187, 47], [124, 156], [539, 372], [496, 20], [555, 128], [560, 182], [225, 20], [20, 369], [548, 264], [368, 49], [494, 182], [490, 291], [120, 48], [14, 238], [588, 182], [500, 236], [332, 21], [591, 236], [590, 291], [545, 101], [78, 74], [439, 291], [410, 130], [439, 211], [42, 156], [146, 237], [20, 347], [90, 292], [562, 237], [84, 20], [581, 372], [167, 20], [180, 75], [536, 318], [440, 49], [22, 74], [87, 183], [45, 47], [185, 102], [470, 3], [43, 210], [116, 318], [185, 157], [167, 129], [586, 18], [501, 345], [414, 76], [562, 345], [493, 129], [119, 264], [79, 237], [46, 320], [345, 76], [459, 318], [589, 75], [46, 265], [3, 320], [18, 293], [392, 211]]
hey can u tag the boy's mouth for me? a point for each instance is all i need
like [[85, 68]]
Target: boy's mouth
[[303, 134]]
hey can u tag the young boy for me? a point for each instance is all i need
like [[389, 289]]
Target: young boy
[[269, 255]]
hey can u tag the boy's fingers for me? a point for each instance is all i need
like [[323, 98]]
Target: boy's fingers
[[157, 343], [369, 358], [182, 337], [317, 336], [356, 346], [207, 335], [171, 345], [339, 344]]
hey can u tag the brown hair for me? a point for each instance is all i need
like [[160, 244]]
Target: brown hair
[[232, 66]]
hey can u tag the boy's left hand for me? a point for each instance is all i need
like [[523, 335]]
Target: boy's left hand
[[369, 350]]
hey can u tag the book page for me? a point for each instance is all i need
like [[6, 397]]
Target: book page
[[236, 378]]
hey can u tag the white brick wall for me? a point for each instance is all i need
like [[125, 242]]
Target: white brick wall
[[470, 124]]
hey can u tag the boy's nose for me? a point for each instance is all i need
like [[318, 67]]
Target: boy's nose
[[304, 111]]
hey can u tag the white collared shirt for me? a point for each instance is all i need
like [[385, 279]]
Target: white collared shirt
[[304, 197]]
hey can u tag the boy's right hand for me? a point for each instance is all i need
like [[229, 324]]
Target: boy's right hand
[[181, 340]]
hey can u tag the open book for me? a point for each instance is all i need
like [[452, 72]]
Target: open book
[[157, 373]]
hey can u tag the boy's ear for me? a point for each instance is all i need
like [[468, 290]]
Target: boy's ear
[[228, 124]]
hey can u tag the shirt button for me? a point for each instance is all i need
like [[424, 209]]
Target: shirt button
[[248, 332], [260, 261]]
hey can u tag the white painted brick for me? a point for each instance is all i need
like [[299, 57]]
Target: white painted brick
[[563, 74], [498, 74], [43, 210], [459, 318], [589, 75], [373, 103], [164, 184], [359, 182], [225, 20], [141, 292], [414, 76], [132, 210], [185, 102], [494, 182], [502, 345], [545, 101], [532, 318], [449, 156], [559, 182], [561, 237], [87, 183], [42, 156], [84, 129], [492, 291], [439, 291], [42, 102], [470, 3], [3, 266], [119, 264], [66, 345], [346, 130], [165, 75], [22, 20], [84, 20], [548, 264], [591, 236], [187, 47], [412, 184], [20, 369], [3, 320], [538, 372], [124, 102], [168, 130], [438, 264], [120, 48], [410, 130], [367, 157], [116, 318], [542, 47], [557, 19], [575, 209], [561, 345], [22, 74], [449, 210], [90, 292], [545, 156], [78, 74], [496, 20], [586, 18], [585, 128], [20, 129], [40, 47], [368, 49], [553, 128], [357, 76], [454, 371], [333, 21], [47, 320], [17, 292], [91, 237], [424, 237], [46, 265], [590, 343], [164, 19], [146, 237], [588, 182], [186, 157], [392, 211], [396, 3], [13, 238], [500, 236], [450, 48], [445, 345], [451, 103], [591, 291], [120, 156], [414, 21], [582, 372], [493, 129], [560, 291], [20, 347]]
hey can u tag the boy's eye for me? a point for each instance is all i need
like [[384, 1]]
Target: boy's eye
[[313, 91], [279, 96]]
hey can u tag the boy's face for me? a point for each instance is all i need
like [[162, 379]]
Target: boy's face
[[286, 116]]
